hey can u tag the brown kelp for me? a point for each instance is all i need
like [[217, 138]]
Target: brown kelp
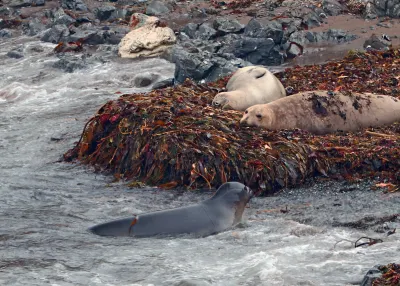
[[173, 137]]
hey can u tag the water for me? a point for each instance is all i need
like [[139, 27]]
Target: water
[[46, 206]]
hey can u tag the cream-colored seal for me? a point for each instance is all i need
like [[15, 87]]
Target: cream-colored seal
[[249, 86], [322, 112]]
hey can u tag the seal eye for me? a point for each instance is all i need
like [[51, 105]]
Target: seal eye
[[246, 112], [216, 103], [259, 116]]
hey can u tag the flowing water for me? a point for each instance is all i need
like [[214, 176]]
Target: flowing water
[[46, 206]]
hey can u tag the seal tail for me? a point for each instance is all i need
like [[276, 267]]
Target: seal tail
[[121, 227]]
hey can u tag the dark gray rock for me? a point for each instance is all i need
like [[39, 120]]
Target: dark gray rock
[[312, 20], [33, 27], [156, 8], [380, 8], [163, 84], [223, 68], [272, 29], [332, 35], [188, 65], [5, 33], [206, 32], [371, 275], [20, 3], [190, 30], [95, 37], [56, 34], [293, 50], [5, 11], [16, 53], [79, 35], [104, 13], [69, 62], [145, 79], [38, 3], [333, 7], [77, 5], [64, 20], [377, 43], [226, 26]]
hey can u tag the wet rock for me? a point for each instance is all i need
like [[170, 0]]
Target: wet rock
[[225, 26], [104, 13], [84, 36], [77, 5], [312, 20], [33, 27], [38, 3], [272, 29], [163, 83], [333, 7], [371, 275], [206, 32], [371, 12], [157, 8], [190, 30], [293, 50], [145, 79], [16, 53], [5, 11], [105, 37], [147, 41], [381, 8], [69, 62], [20, 3], [379, 43], [5, 33], [55, 34], [332, 35]]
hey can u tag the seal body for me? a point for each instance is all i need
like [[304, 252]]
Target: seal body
[[249, 86], [322, 112], [216, 214]]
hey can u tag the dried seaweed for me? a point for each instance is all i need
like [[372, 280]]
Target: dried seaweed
[[173, 137], [390, 275]]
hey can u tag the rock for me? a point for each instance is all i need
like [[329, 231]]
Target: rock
[[371, 275], [332, 7], [371, 12], [137, 20], [157, 8], [5, 11], [38, 3], [190, 30], [20, 3], [273, 30], [377, 43], [33, 27], [5, 33], [83, 36], [103, 13], [293, 50], [187, 65], [64, 20], [206, 32], [163, 84], [77, 5], [226, 26], [312, 20], [332, 35], [69, 62], [147, 41], [380, 8], [16, 53], [56, 34], [145, 79]]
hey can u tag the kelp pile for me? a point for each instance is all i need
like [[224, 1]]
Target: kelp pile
[[173, 137], [390, 275]]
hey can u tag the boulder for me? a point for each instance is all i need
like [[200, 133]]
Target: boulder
[[375, 42], [77, 5], [272, 29], [145, 79], [5, 33], [147, 41], [332, 35], [104, 13], [157, 8], [33, 27], [226, 26], [205, 32], [333, 7], [56, 34]]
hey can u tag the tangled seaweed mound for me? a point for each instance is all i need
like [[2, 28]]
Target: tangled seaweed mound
[[174, 138], [390, 275]]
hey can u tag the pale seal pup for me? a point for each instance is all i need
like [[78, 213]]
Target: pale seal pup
[[249, 86], [322, 112], [218, 213]]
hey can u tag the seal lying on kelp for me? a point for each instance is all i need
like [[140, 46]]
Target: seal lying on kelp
[[322, 112], [249, 86], [216, 214]]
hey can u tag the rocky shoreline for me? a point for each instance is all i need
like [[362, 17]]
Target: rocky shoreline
[[213, 38]]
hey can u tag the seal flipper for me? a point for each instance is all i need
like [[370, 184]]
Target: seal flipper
[[257, 72]]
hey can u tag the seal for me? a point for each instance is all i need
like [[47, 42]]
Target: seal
[[218, 213], [322, 112], [249, 86]]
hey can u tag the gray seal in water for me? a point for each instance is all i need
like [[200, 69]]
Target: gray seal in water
[[218, 213]]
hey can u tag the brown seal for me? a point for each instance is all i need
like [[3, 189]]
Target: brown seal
[[322, 112], [249, 86]]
